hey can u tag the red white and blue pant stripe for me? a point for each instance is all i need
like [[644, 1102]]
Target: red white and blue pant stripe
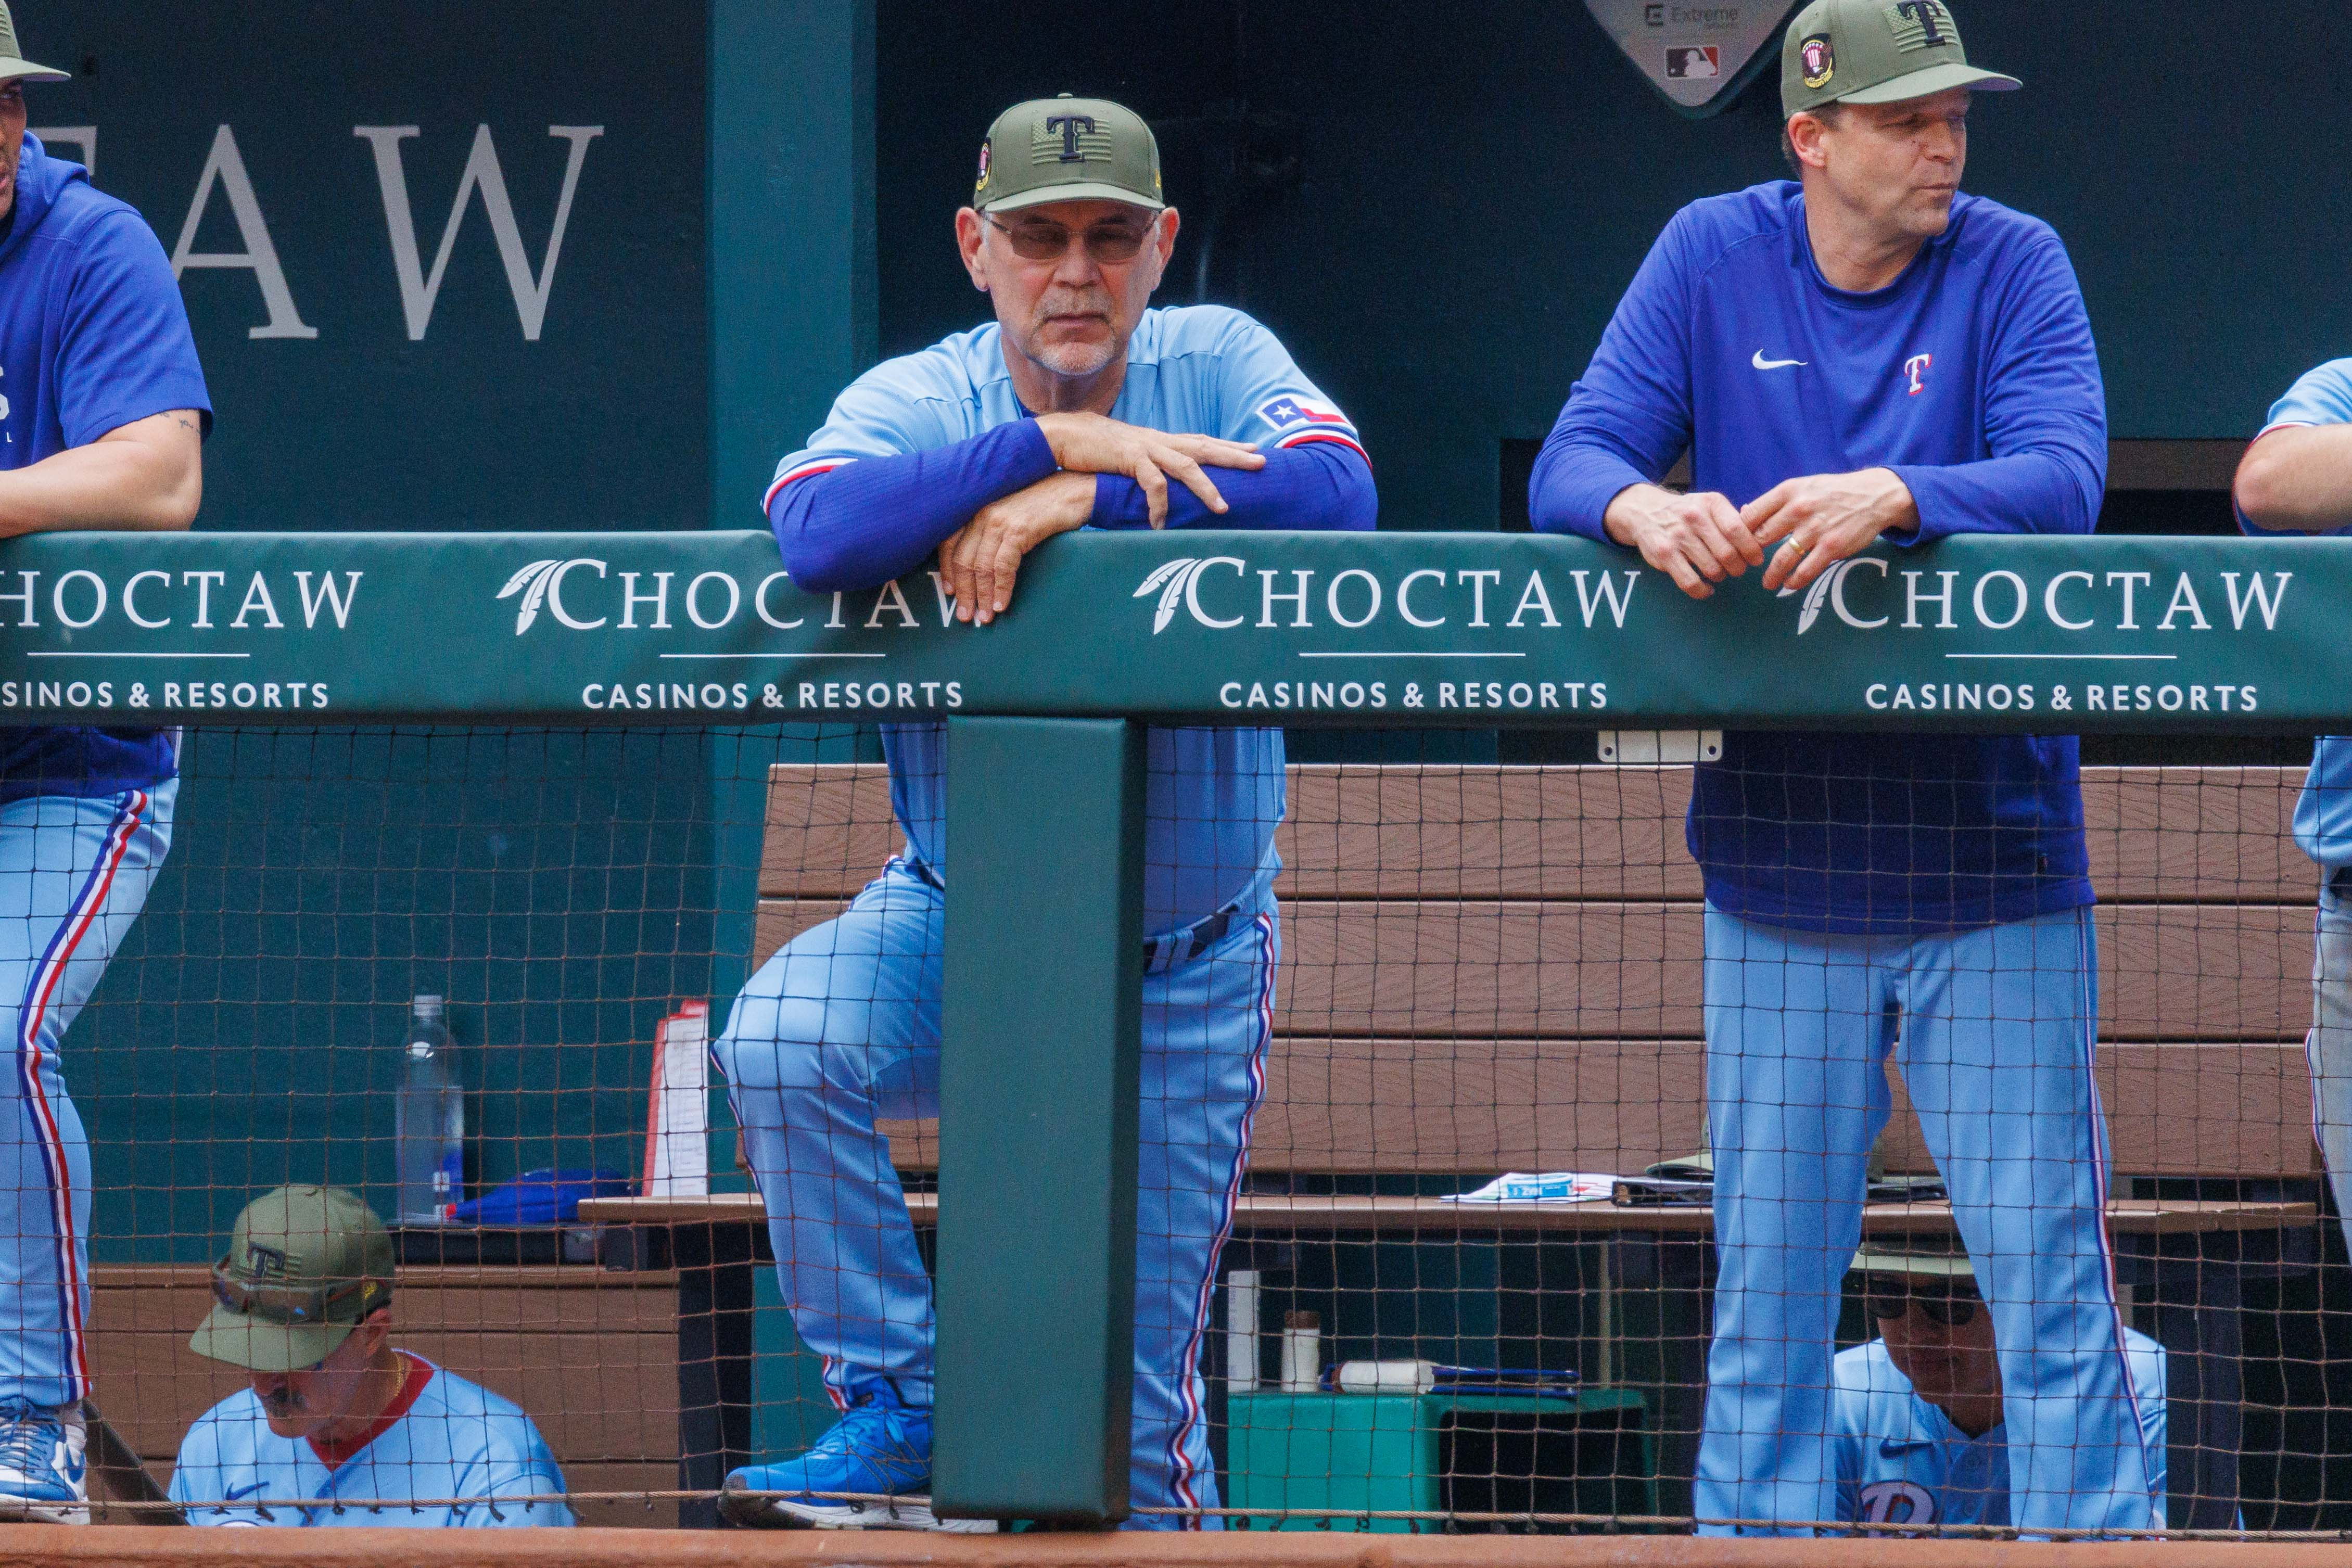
[[74, 873], [1993, 1029], [841, 1027]]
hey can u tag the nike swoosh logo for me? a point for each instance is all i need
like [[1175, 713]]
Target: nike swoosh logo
[[235, 1492], [1761, 363], [1889, 1448]]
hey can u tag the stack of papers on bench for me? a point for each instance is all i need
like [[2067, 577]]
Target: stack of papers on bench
[[1548, 1186]]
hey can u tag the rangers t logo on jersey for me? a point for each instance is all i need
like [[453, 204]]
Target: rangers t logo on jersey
[[1290, 409], [1915, 367]]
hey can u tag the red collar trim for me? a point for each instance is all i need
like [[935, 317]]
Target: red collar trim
[[420, 1372]]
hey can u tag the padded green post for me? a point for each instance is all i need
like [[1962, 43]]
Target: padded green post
[[1041, 1034]]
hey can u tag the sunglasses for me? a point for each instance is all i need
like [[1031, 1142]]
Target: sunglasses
[[1104, 242], [1892, 1299], [291, 1304]]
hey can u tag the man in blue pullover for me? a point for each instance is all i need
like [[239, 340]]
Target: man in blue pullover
[[1866, 355], [1077, 407], [102, 413]]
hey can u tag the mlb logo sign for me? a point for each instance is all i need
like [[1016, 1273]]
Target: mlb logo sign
[[1694, 62]]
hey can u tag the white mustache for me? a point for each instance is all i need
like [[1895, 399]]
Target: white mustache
[[1073, 302]]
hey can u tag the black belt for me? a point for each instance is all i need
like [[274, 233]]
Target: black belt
[[2339, 880], [1181, 945]]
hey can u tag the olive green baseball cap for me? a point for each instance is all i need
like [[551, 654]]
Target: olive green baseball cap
[[14, 67], [1876, 51], [1067, 150], [1916, 1258], [304, 1267]]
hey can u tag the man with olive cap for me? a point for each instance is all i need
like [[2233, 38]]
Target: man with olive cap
[[338, 1426], [1922, 1434], [1078, 406], [1864, 356]]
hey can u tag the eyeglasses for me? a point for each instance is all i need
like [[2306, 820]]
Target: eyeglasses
[[1891, 1300], [290, 1304], [1106, 243]]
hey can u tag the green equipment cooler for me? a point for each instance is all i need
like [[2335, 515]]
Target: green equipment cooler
[[1331, 1460]]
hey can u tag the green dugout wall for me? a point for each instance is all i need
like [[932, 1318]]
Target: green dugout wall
[[652, 635]]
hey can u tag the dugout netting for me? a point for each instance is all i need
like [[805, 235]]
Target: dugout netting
[[1486, 969]]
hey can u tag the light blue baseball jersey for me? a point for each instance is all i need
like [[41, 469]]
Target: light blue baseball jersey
[[1213, 796], [452, 1440], [1900, 1460], [2322, 817]]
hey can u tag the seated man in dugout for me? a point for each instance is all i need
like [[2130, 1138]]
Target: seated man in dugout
[[339, 1426], [1920, 1436]]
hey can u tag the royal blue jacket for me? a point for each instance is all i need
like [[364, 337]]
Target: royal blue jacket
[[1974, 378], [93, 337]]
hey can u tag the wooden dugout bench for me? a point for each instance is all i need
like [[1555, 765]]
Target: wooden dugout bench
[[1498, 968]]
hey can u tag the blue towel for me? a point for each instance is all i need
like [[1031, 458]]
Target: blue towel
[[540, 1198]]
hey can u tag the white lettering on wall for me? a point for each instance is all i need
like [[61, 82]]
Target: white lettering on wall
[[417, 288], [226, 165], [82, 138]]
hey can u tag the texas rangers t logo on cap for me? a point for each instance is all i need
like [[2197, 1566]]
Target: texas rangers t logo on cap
[[1930, 14], [1071, 124]]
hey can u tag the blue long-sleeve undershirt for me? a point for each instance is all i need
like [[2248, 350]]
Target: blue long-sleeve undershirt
[[877, 518], [1973, 377]]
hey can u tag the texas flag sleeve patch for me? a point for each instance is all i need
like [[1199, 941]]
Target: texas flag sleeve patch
[[1297, 419]]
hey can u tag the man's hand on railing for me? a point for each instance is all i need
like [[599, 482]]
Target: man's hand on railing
[[1824, 518], [1091, 443], [1697, 540], [981, 558]]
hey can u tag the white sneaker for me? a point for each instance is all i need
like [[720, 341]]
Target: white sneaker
[[43, 1476]]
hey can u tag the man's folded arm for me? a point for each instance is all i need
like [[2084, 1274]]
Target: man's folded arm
[[2045, 421], [1584, 467], [866, 520], [1320, 484]]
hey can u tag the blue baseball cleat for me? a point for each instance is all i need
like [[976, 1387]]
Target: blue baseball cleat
[[879, 1447], [42, 1476]]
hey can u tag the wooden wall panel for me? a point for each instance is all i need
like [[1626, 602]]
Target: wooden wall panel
[[1481, 1107], [1365, 832], [2214, 1110], [1596, 970]]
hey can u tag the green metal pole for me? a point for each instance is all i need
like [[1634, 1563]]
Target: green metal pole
[[1041, 1028]]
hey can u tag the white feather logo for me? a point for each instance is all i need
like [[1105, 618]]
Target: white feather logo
[[1819, 594], [534, 577], [1173, 578]]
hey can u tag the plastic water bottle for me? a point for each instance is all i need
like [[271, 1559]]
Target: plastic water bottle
[[430, 1126]]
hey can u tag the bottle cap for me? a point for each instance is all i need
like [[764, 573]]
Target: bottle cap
[[427, 1007]]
